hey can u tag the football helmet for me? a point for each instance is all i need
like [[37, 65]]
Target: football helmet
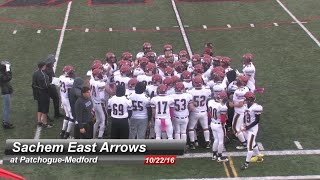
[[247, 58], [156, 79], [111, 58], [167, 81], [178, 66], [97, 74], [196, 59], [179, 87], [151, 56], [123, 62], [68, 71], [216, 60], [96, 61], [162, 89], [186, 76], [197, 82], [162, 62], [175, 79], [222, 97], [168, 51], [225, 62], [97, 66], [143, 61], [218, 76], [250, 96], [206, 62], [198, 69], [242, 80], [132, 83], [183, 53], [218, 68], [150, 68], [126, 56], [125, 70], [168, 71], [146, 47]]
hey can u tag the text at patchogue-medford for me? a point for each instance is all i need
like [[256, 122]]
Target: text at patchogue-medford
[[94, 147]]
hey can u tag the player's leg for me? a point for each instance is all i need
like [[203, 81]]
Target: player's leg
[[250, 145], [133, 128], [71, 119], [183, 128], [176, 125], [192, 123], [142, 128], [203, 119], [221, 135], [152, 132], [157, 128], [236, 126], [65, 120], [102, 124], [169, 128], [97, 108], [215, 142]]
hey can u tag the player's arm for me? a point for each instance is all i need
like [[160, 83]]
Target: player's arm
[[257, 118], [129, 104], [110, 89]]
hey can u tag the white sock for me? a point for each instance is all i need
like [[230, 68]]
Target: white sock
[[70, 126], [206, 134], [65, 124]]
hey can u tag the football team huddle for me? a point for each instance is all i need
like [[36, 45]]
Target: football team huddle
[[180, 94]]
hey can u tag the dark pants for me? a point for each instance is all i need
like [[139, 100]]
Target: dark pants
[[89, 131], [53, 93], [119, 128], [76, 131], [43, 101]]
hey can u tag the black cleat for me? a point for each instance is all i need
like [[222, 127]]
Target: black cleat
[[244, 166], [66, 135], [208, 146], [192, 145], [62, 134], [7, 125]]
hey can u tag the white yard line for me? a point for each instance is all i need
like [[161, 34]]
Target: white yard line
[[183, 32], [297, 143], [244, 153], [300, 24], [259, 178], [38, 130]]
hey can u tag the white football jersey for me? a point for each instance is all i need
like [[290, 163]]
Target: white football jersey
[[119, 106], [147, 80], [129, 92], [216, 109], [232, 87], [97, 91], [112, 70], [140, 102], [187, 85], [162, 106], [171, 91], [122, 80], [200, 97], [65, 84], [138, 71], [141, 54], [250, 71], [161, 73], [89, 74], [175, 57], [249, 113], [181, 104], [151, 91], [239, 96], [208, 72], [190, 68]]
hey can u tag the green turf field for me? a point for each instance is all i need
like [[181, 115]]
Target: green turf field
[[286, 60]]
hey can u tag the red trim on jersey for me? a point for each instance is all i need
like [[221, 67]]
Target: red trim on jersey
[[223, 118]]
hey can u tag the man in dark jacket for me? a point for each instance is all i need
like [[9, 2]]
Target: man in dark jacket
[[53, 93], [6, 91], [84, 116], [74, 94]]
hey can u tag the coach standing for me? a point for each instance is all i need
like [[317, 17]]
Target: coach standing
[[119, 107], [6, 91], [83, 110], [40, 87], [53, 93]]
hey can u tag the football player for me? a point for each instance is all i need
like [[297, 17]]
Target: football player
[[237, 103], [225, 63], [98, 90], [186, 80], [96, 64], [217, 111], [146, 78], [111, 64], [125, 76], [162, 64], [141, 67], [168, 82], [200, 97], [183, 54], [146, 47], [183, 104], [185, 62], [131, 86], [251, 125], [152, 56], [178, 67], [162, 112], [168, 55], [249, 70], [151, 90], [196, 59], [66, 82]]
